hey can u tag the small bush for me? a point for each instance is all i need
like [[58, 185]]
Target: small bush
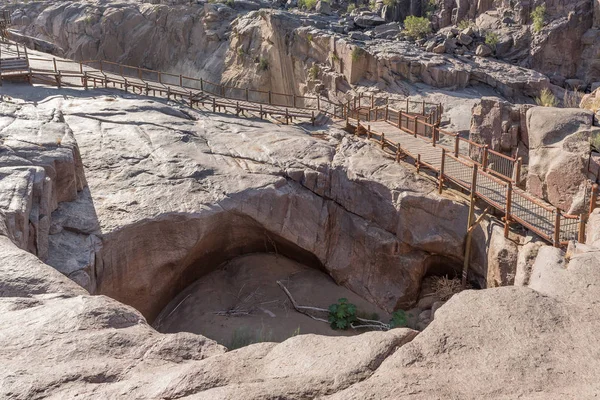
[[342, 314], [372, 5], [313, 72], [263, 64], [309, 37], [538, 16], [445, 287], [399, 319], [307, 4], [229, 3], [334, 57], [357, 54], [546, 99], [572, 99], [430, 8], [390, 3], [351, 7], [240, 51], [492, 39], [417, 27], [464, 24]]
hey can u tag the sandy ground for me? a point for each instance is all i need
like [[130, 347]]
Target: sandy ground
[[248, 286]]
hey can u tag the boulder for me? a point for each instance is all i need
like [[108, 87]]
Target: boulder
[[368, 21], [483, 51], [499, 124], [559, 150], [323, 7], [464, 39], [439, 49]]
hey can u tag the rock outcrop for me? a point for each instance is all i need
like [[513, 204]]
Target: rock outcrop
[[559, 151]]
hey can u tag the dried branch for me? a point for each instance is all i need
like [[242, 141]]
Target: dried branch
[[303, 309]]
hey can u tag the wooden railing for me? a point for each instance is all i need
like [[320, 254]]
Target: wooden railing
[[419, 125], [550, 223]]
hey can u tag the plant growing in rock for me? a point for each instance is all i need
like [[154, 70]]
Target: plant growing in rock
[[334, 58], [313, 72], [357, 54], [390, 3], [465, 24], [546, 99], [263, 64], [538, 16], [492, 39], [572, 99], [399, 319], [351, 7], [429, 8], [417, 27], [307, 4], [309, 37], [240, 52], [342, 314]]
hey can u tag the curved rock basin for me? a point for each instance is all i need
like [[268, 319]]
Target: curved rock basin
[[241, 302]]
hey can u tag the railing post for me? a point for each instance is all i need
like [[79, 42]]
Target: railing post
[[485, 157], [313, 118], [407, 105], [159, 77], [456, 145], [369, 115], [465, 270], [418, 162], [433, 135], [247, 95], [423, 109], [368, 131], [372, 101], [517, 177], [269, 97], [180, 81], [508, 209], [581, 231], [100, 62], [53, 61], [201, 85], [81, 68], [318, 102], [294, 100], [441, 176], [386, 111], [399, 119], [594, 198], [382, 140], [557, 227]]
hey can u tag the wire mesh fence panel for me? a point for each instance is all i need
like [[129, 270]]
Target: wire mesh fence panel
[[531, 214], [446, 140], [501, 164], [492, 190], [569, 228], [458, 172]]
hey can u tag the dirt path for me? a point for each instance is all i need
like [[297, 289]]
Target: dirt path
[[259, 309]]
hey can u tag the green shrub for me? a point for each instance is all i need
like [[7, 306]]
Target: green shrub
[[307, 4], [538, 16], [464, 24], [357, 54], [390, 3], [351, 7], [430, 8], [372, 5], [334, 57], [546, 99], [313, 72], [342, 314], [417, 27], [240, 51], [263, 64], [492, 39], [309, 37], [399, 319]]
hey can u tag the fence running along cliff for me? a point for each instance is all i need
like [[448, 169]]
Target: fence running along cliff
[[474, 167], [410, 128]]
